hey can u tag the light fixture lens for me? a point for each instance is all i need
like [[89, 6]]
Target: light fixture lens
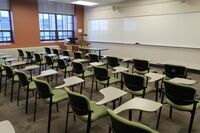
[[84, 3]]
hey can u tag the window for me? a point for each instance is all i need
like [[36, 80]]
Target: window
[[5, 26], [56, 26]]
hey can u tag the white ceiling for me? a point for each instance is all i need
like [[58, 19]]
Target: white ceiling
[[101, 2]]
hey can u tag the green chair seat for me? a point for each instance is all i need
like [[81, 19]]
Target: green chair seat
[[140, 92], [3, 73], [86, 74], [120, 124], [32, 86], [16, 78], [112, 80], [182, 107], [58, 95], [69, 69], [98, 112]]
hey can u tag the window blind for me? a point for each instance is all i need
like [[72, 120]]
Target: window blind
[[46, 6], [4, 4]]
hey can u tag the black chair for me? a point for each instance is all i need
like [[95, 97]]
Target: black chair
[[172, 71], [112, 61], [101, 75], [50, 62], [181, 97], [136, 85], [121, 125], [93, 58], [29, 57], [140, 66], [47, 50], [49, 96], [55, 51], [79, 71], [24, 81], [10, 75], [85, 109], [77, 55], [21, 54], [62, 64], [39, 61]]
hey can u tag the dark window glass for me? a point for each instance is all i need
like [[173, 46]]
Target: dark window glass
[[5, 27], [56, 26]]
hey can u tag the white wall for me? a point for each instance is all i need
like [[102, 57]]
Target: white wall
[[185, 56]]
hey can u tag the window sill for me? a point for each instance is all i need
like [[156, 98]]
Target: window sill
[[6, 43]]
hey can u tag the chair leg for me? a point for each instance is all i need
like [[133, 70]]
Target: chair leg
[[81, 88], [18, 93], [67, 118], [11, 97], [49, 119], [170, 113], [57, 107], [92, 88], [89, 123], [191, 121], [5, 86], [140, 116], [0, 80], [27, 95], [35, 106], [158, 121]]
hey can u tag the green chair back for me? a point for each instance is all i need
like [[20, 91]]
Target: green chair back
[[49, 60], [179, 94], [121, 125], [77, 55], [173, 71], [101, 73], [37, 58], [113, 61], [9, 72], [66, 53], [93, 57], [61, 63], [141, 65], [29, 55], [20, 53], [77, 68], [23, 78], [47, 50], [55, 51], [134, 82], [43, 88], [79, 103]]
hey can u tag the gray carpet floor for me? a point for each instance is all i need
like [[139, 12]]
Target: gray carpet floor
[[23, 123]]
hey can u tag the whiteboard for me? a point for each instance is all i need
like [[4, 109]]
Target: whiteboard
[[178, 30]]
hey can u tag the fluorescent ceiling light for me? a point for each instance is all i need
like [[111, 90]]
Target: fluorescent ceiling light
[[84, 3]]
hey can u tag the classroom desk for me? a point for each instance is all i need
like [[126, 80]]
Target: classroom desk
[[127, 60], [52, 55], [9, 60], [71, 81], [4, 57], [119, 69], [64, 57], [182, 81], [95, 49], [6, 127], [110, 94], [30, 68], [97, 63], [80, 60], [16, 64], [47, 73], [155, 77], [140, 104]]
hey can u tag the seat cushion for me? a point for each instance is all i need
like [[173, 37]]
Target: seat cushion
[[3, 73], [182, 107], [69, 69], [86, 74], [99, 111], [32, 86], [16, 78], [58, 95], [111, 81], [140, 92]]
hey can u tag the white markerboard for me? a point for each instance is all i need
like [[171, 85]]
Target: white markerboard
[[177, 30]]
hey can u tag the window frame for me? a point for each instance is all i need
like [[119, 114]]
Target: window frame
[[11, 32], [56, 27]]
